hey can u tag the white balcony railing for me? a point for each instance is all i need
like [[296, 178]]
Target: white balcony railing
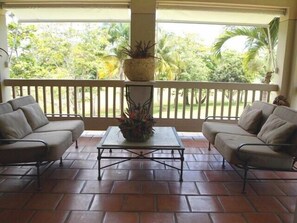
[[180, 104]]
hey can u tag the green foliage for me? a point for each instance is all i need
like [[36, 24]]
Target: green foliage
[[94, 51], [259, 41], [229, 69]]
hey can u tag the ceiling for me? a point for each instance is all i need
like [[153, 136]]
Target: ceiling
[[119, 11]]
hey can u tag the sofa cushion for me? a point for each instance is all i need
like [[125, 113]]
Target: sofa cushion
[[250, 119], [14, 125], [288, 114], [210, 129], [276, 131], [256, 156], [266, 108], [34, 115], [58, 143], [21, 101], [76, 127], [5, 108]]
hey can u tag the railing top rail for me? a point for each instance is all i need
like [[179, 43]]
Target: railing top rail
[[158, 84]]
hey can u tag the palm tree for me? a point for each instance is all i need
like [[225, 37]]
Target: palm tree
[[259, 39], [118, 38], [166, 55]]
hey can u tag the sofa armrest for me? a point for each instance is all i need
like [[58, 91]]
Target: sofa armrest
[[212, 117], [26, 141], [64, 116], [242, 146]]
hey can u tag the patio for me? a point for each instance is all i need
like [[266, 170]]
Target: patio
[[144, 191]]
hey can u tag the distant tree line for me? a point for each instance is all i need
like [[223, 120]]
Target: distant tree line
[[93, 51]]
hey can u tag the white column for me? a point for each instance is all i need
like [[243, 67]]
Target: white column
[[143, 20], [143, 23], [286, 65], [4, 69]]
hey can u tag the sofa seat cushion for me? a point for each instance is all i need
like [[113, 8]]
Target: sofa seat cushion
[[211, 129], [76, 127], [35, 116], [17, 152], [257, 156], [14, 125]]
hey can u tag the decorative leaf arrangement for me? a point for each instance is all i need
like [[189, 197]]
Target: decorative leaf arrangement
[[136, 123], [140, 50]]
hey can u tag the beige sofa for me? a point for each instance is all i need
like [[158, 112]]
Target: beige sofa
[[265, 137], [27, 137]]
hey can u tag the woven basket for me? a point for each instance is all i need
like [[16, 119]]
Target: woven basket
[[140, 69]]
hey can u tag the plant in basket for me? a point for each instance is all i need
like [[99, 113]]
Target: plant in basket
[[141, 64], [136, 123]]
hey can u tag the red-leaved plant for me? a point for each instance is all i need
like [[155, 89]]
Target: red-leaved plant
[[137, 123]]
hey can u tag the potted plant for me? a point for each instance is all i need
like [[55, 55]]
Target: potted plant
[[141, 65], [136, 124]]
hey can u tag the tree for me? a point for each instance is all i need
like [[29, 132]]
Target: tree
[[259, 40], [118, 37]]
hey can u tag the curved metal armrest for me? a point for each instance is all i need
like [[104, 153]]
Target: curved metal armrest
[[213, 117], [65, 115], [262, 144], [27, 141]]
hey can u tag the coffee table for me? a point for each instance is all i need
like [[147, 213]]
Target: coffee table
[[164, 138]]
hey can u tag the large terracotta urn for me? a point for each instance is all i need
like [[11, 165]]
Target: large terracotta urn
[[140, 69]]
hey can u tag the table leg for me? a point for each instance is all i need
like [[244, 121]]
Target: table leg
[[181, 165], [99, 164]]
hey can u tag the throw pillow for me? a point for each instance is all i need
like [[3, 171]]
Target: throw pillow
[[276, 131], [14, 125], [250, 119], [34, 115]]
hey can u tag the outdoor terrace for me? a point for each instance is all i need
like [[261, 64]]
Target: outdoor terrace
[[144, 191]]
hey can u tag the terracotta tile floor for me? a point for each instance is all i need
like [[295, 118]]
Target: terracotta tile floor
[[145, 191]]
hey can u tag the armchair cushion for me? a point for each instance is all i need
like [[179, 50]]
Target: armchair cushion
[[35, 116], [250, 119], [14, 125], [276, 131]]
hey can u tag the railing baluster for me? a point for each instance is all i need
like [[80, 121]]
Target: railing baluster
[[230, 102], [184, 103], [199, 103], [114, 102], [75, 99], [223, 103], [106, 102], [215, 102], [52, 100], [207, 102], [161, 102], [169, 101], [176, 103], [192, 103], [237, 103], [60, 100], [98, 101], [68, 99]]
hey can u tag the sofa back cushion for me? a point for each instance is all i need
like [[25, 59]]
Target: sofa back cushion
[[21, 101], [34, 115], [290, 115], [266, 108], [276, 131], [5, 108], [14, 125], [250, 119]]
